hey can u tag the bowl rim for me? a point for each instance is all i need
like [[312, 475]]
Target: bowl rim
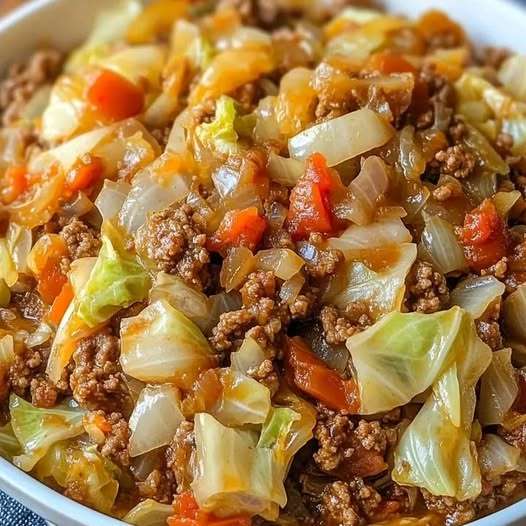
[[54, 506]]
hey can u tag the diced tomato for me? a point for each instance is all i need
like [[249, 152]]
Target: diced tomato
[[484, 236], [238, 228], [387, 62], [85, 174], [115, 97], [15, 183], [61, 303], [311, 375], [187, 513], [311, 198]]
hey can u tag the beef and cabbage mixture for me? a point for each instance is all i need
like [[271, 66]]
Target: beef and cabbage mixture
[[265, 263]]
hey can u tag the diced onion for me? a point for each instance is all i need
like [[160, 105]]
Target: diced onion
[[291, 289], [475, 294], [7, 351], [284, 170], [282, 261], [249, 356], [504, 201], [224, 302], [267, 127], [154, 419], [442, 246], [111, 198], [237, 265], [80, 206], [512, 74], [496, 457], [342, 138], [19, 241], [42, 334]]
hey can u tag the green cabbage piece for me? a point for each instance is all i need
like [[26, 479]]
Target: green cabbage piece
[[402, 355], [220, 134], [116, 281], [73, 463], [9, 445], [149, 513], [38, 429], [436, 452]]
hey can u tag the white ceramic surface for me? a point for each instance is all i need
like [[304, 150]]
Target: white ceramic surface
[[64, 23]]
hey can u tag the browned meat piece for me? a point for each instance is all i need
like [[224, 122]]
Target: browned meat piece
[[180, 453], [29, 305], [176, 244], [454, 511], [455, 161], [159, 485], [516, 437], [488, 327], [97, 380], [23, 80], [320, 261], [427, 290], [44, 393], [337, 327], [115, 445], [266, 374], [81, 242]]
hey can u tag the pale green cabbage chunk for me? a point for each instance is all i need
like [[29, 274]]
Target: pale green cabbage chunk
[[116, 281], [149, 513], [402, 355], [9, 446], [436, 452], [38, 429]]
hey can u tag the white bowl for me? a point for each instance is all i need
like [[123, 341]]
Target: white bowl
[[64, 24]]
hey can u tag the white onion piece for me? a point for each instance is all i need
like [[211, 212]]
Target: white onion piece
[[237, 265], [514, 314], [284, 170], [80, 206], [276, 216], [243, 36], [267, 127], [375, 235], [504, 201], [342, 138], [177, 139], [442, 246], [40, 336], [111, 198], [226, 179], [512, 74], [155, 418], [475, 294], [7, 351], [223, 302], [496, 457], [498, 389], [282, 261], [249, 356], [192, 303], [19, 242], [366, 189], [291, 289]]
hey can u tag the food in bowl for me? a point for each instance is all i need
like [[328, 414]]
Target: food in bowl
[[264, 263]]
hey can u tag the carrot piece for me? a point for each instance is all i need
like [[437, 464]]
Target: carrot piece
[[61, 303], [16, 183], [114, 96], [85, 175], [238, 228], [387, 62], [311, 375]]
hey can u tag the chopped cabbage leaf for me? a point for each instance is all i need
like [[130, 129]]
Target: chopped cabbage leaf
[[249, 356], [71, 463], [436, 452], [496, 457], [161, 344], [116, 281], [382, 290], [402, 355], [149, 513], [475, 294], [220, 134], [38, 429], [9, 445]]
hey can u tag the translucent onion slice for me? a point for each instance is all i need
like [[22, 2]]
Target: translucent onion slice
[[282, 261], [504, 201], [475, 294], [19, 241], [7, 351], [514, 314], [284, 170], [498, 389], [155, 418], [111, 198], [512, 74], [442, 246], [237, 265], [291, 289], [496, 457], [342, 138], [249, 356]]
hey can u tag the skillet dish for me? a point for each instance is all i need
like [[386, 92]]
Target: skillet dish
[[265, 265]]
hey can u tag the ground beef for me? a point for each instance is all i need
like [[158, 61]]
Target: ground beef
[[455, 161], [116, 440], [29, 365], [180, 454], [516, 436], [29, 305], [427, 290], [337, 328], [488, 327], [176, 243], [454, 511], [159, 485], [81, 241], [97, 380], [447, 190], [349, 448], [266, 374], [23, 80], [320, 261], [44, 392]]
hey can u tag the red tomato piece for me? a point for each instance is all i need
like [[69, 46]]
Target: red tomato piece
[[115, 97]]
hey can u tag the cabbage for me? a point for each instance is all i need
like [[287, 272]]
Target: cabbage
[[220, 135], [276, 432], [284, 170], [161, 344], [475, 294], [403, 354], [512, 75], [249, 356], [111, 198], [382, 289], [342, 138], [435, 452], [283, 262], [7, 352], [149, 513], [516, 127], [9, 445], [19, 242], [75, 464], [504, 201], [8, 270], [155, 418], [498, 389], [513, 315], [191, 302], [38, 429], [116, 281], [497, 458]]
